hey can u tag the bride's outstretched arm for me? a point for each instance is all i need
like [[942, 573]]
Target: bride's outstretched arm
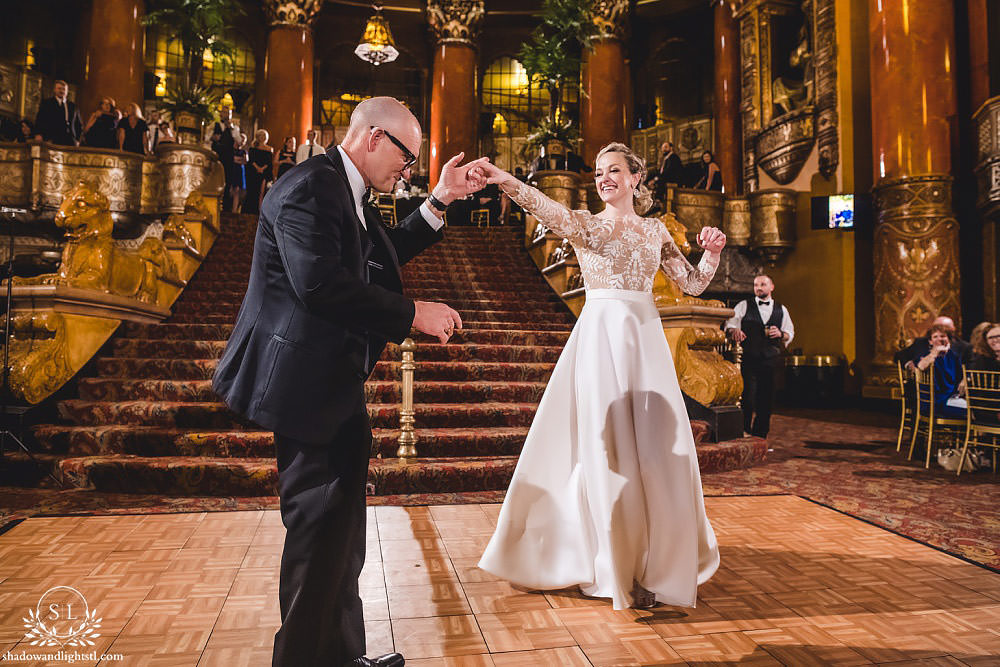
[[693, 280], [564, 222]]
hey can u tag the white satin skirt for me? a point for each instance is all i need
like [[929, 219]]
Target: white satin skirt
[[607, 490]]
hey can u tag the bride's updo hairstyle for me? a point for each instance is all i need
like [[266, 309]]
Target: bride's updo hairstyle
[[643, 197]]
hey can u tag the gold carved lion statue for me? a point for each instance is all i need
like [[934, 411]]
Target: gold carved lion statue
[[92, 260]]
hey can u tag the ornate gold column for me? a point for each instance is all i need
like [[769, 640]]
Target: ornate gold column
[[454, 103], [604, 79], [113, 66], [287, 105], [913, 106], [726, 106]]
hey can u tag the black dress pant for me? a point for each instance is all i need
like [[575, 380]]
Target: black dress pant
[[758, 396], [322, 490]]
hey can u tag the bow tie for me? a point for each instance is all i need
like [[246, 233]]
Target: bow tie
[[763, 303]]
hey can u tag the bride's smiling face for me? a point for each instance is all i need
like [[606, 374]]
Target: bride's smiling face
[[614, 180]]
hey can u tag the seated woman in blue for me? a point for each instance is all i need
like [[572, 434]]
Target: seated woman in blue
[[947, 372]]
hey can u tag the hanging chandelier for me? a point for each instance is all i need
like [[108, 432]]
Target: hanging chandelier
[[376, 45]]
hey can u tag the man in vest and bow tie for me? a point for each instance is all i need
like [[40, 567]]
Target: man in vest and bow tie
[[764, 328]]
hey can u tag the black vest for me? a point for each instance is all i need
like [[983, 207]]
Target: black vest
[[758, 346]]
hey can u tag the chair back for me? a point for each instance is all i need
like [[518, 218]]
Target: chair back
[[481, 217], [983, 394], [907, 392], [924, 380], [387, 207]]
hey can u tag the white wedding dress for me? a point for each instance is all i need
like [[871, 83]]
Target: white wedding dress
[[607, 491]]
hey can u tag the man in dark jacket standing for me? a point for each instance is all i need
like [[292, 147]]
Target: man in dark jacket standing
[[58, 120], [324, 297], [764, 328]]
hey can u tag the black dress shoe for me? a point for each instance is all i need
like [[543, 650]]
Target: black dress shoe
[[387, 660]]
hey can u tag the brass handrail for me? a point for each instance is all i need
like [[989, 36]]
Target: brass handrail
[[407, 434]]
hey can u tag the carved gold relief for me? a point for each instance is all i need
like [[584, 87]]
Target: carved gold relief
[[292, 12], [698, 208], [772, 223], [39, 354], [456, 20], [736, 222], [92, 260], [611, 18], [562, 186], [915, 259], [703, 373], [784, 145]]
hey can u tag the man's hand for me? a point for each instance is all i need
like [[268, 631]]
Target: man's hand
[[457, 182], [774, 332], [737, 334], [436, 319]]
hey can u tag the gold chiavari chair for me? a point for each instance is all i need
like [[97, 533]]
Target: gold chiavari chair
[[907, 404], [387, 207], [982, 421], [926, 420], [481, 217]]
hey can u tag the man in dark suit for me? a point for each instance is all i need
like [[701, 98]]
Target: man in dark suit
[[671, 170], [58, 120], [764, 328], [324, 297]]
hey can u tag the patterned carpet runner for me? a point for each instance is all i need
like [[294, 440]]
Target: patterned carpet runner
[[147, 420]]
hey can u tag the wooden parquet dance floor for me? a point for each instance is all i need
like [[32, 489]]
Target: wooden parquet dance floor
[[800, 584]]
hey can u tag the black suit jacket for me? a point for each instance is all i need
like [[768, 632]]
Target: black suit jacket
[[672, 170], [50, 122], [315, 308]]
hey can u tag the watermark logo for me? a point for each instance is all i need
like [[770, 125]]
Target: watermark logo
[[62, 618]]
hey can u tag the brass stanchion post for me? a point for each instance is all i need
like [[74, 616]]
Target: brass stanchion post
[[407, 435]]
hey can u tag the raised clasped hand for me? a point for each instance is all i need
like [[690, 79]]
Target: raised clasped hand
[[460, 181], [712, 239]]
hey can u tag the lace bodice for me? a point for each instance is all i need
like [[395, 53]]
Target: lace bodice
[[622, 253]]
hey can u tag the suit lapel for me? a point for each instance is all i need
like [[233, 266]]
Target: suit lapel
[[333, 155], [374, 220]]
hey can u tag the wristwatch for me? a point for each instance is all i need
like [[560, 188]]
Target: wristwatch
[[437, 203]]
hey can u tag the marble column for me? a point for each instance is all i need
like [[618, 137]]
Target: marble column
[[113, 64], [603, 112], [912, 53], [287, 102], [454, 103], [979, 52], [726, 105]]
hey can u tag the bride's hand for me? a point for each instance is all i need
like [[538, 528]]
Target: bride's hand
[[496, 175], [712, 239]]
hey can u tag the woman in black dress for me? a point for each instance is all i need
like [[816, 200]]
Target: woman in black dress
[[285, 159], [133, 131], [27, 131], [102, 126], [711, 176], [259, 171]]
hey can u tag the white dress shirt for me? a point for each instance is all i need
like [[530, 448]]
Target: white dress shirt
[[307, 150], [765, 309], [358, 189]]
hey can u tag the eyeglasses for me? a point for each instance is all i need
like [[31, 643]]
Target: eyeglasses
[[992, 337], [410, 157]]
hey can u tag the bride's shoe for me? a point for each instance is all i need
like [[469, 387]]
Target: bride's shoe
[[642, 598]]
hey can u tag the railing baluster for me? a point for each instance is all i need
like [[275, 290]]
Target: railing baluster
[[407, 435]]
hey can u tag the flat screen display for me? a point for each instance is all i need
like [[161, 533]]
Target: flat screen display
[[841, 212]]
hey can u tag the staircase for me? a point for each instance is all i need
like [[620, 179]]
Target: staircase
[[147, 420]]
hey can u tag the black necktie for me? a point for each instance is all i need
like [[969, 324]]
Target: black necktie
[[311, 146]]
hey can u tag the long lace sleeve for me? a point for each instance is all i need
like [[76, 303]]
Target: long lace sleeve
[[693, 280], [568, 224]]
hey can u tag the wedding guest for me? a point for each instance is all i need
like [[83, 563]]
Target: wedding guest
[[102, 126], [921, 346], [133, 132], [285, 158], [947, 364], [58, 120], [671, 170], [985, 354], [308, 148], [164, 135], [27, 131], [711, 176], [224, 137], [258, 172], [236, 179]]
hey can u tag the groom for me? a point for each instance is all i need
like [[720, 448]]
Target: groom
[[325, 295]]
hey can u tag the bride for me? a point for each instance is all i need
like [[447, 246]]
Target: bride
[[607, 493]]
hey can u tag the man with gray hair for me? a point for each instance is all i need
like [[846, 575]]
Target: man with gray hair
[[324, 298]]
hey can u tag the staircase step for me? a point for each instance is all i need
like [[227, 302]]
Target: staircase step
[[150, 441]]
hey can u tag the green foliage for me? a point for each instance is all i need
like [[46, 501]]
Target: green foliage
[[196, 100], [552, 57], [198, 25], [551, 131]]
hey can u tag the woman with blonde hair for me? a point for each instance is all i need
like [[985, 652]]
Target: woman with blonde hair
[[258, 171], [607, 491], [133, 131]]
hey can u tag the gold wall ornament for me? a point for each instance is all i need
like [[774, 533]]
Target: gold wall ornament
[[116, 174], [561, 186], [915, 259], [825, 71], [987, 123], [696, 208], [736, 222], [703, 373], [611, 18], [39, 354], [292, 12], [785, 144], [185, 169], [772, 223], [456, 20]]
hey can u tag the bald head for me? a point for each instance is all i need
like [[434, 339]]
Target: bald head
[[377, 126], [946, 322]]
